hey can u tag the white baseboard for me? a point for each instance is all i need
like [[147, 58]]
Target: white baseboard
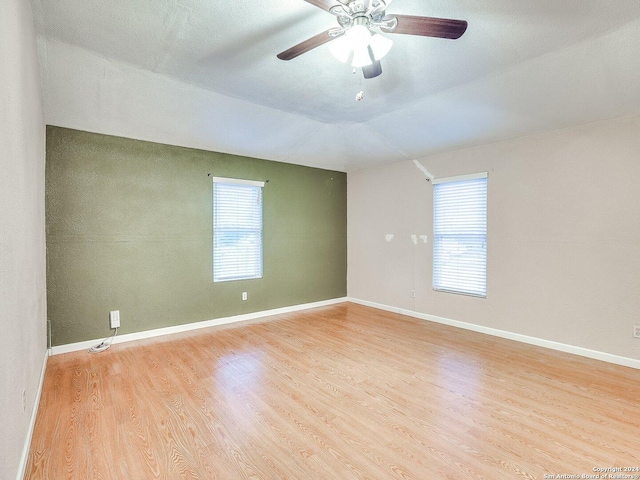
[[32, 422], [562, 347], [128, 337]]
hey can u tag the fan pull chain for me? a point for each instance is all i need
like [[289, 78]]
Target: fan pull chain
[[360, 94]]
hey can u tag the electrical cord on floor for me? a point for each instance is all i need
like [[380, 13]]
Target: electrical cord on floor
[[105, 344]]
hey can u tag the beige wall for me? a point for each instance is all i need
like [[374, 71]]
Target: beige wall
[[22, 241], [563, 236]]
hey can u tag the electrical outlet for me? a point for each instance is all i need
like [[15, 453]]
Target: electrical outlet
[[244, 295], [413, 294], [24, 401], [636, 331], [114, 318]]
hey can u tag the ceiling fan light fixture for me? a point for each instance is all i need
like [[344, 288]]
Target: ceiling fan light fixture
[[376, 47], [380, 46], [359, 36], [353, 44], [341, 48], [360, 45], [361, 57]]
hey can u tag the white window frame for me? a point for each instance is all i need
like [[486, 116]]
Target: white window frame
[[222, 268], [466, 276]]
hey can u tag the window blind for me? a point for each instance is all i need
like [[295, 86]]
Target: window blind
[[237, 229], [460, 235]]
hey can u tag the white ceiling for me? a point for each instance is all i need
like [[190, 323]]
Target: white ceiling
[[204, 74]]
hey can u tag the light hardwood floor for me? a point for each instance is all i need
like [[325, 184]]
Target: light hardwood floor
[[342, 392]]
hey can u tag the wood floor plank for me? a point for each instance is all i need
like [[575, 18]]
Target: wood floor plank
[[341, 392]]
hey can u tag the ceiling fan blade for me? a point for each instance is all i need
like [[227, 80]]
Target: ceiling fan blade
[[323, 4], [373, 70], [308, 44], [429, 27]]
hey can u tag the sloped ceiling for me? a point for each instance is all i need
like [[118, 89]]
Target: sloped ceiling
[[204, 74]]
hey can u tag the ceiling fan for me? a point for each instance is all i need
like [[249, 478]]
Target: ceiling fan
[[357, 37]]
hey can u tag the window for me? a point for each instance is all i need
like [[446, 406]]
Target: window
[[237, 229], [460, 235]]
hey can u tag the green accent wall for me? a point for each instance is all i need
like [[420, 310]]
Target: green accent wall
[[129, 228]]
